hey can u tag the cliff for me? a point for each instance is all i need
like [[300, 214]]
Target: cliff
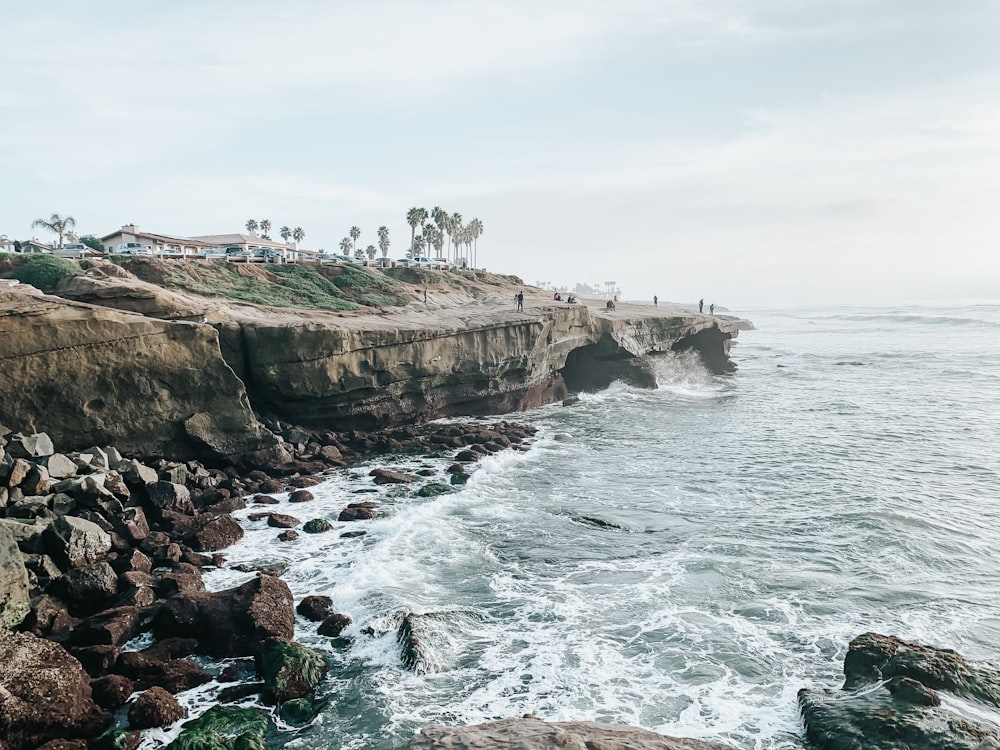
[[163, 371]]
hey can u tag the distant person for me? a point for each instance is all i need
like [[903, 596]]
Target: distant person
[[711, 309], [425, 296], [557, 297], [655, 300], [571, 299], [611, 304], [701, 305], [17, 246], [520, 301]]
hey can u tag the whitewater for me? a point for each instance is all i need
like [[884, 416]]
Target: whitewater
[[683, 559]]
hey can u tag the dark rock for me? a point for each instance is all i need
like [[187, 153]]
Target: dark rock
[[459, 478], [134, 526], [49, 618], [317, 526], [333, 625], [87, 590], [434, 489], [146, 670], [216, 533], [234, 622], [113, 627], [288, 536], [265, 500], [64, 745], [358, 512], [315, 607], [96, 660], [155, 708], [291, 670], [117, 739], [236, 693], [29, 446], [281, 521], [385, 476], [353, 534], [466, 456], [272, 486], [302, 711], [44, 694], [112, 691], [890, 700], [223, 727], [300, 496]]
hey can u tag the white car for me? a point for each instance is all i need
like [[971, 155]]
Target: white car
[[75, 249], [133, 248]]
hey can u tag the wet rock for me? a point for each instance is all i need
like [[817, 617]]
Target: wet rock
[[317, 526], [891, 700], [282, 521], [224, 727], [333, 625], [302, 711], [385, 476], [96, 660], [216, 533], [433, 490], [300, 496], [459, 478], [230, 623], [265, 500], [14, 604], [535, 734], [291, 670], [466, 456], [315, 607], [44, 694], [358, 512], [87, 589], [271, 486], [288, 536], [155, 708], [112, 691], [75, 543], [353, 534], [134, 525], [117, 739]]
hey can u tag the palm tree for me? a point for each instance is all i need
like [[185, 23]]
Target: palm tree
[[370, 252], [455, 228], [345, 246], [285, 233], [435, 238], [413, 219], [476, 229], [383, 240], [418, 246], [265, 228], [298, 235], [58, 224], [355, 233], [251, 225]]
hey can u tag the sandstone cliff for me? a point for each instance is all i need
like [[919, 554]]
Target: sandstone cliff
[[92, 376], [166, 371]]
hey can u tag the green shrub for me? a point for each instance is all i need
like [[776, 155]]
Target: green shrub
[[44, 271]]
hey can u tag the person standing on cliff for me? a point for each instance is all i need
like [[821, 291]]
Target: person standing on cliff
[[520, 301], [701, 305], [425, 295], [654, 300], [711, 309]]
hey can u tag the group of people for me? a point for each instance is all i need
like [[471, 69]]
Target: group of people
[[701, 307], [570, 298]]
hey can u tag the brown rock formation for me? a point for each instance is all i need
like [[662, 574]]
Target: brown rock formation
[[535, 734]]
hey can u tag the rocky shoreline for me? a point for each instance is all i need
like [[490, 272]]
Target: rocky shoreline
[[97, 549]]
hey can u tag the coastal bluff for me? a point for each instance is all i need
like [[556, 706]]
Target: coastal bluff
[[107, 358]]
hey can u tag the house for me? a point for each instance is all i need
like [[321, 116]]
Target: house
[[167, 245], [34, 245]]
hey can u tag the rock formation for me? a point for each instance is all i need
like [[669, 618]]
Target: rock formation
[[892, 700], [534, 734]]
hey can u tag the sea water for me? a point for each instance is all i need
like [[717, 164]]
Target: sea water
[[684, 559]]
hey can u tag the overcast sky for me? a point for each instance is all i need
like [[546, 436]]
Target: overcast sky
[[751, 153]]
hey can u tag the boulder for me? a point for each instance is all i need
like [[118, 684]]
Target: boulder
[[87, 589], [300, 496], [74, 543], [317, 526], [215, 532], [535, 734], [234, 622], [358, 512], [223, 727], [29, 446], [334, 625], [291, 670], [112, 691], [14, 604], [17, 472], [155, 708], [37, 481], [44, 694], [892, 700], [148, 669], [135, 473], [133, 524], [170, 496], [288, 536], [385, 476], [282, 521], [315, 608]]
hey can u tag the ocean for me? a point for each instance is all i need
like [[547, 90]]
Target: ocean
[[684, 559]]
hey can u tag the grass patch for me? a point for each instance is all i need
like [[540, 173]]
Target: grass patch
[[298, 288]]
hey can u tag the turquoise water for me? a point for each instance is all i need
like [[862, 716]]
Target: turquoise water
[[684, 559]]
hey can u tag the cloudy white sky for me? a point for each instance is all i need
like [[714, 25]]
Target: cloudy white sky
[[750, 152]]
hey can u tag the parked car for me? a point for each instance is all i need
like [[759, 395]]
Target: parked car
[[384, 262], [404, 261], [133, 248], [443, 262], [75, 249], [265, 253]]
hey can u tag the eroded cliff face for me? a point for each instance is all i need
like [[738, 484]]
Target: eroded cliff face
[[87, 375], [372, 372]]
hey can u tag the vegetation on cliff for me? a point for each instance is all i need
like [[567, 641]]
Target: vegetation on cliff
[[42, 271]]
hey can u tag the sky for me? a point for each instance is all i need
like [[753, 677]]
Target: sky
[[764, 153]]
